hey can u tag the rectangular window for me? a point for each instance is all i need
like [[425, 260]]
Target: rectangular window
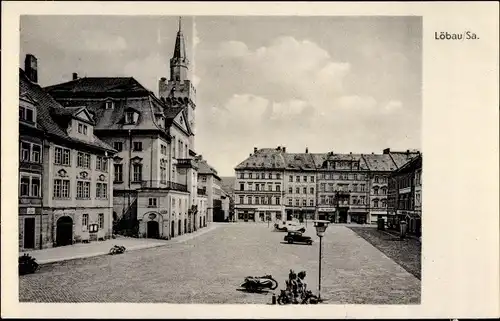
[[322, 187], [101, 220], [290, 202], [278, 188], [35, 186], [61, 188], [256, 201], [322, 199], [129, 117], [83, 160], [312, 190], [25, 151], [26, 114], [152, 202], [83, 190], [204, 179], [297, 190], [36, 151], [249, 199], [109, 105], [137, 172], [101, 164], [311, 202], [304, 203], [85, 222], [270, 176], [297, 203], [241, 200], [242, 175], [250, 175], [290, 179], [305, 179], [80, 128], [278, 176], [118, 146], [85, 129], [118, 173], [297, 179], [101, 190], [137, 146], [25, 186], [305, 190], [278, 200], [62, 156]]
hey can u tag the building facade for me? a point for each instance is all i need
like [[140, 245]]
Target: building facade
[[259, 185], [405, 196], [155, 173], [65, 174], [342, 188]]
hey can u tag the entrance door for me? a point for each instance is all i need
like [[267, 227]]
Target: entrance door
[[342, 215], [29, 233], [64, 234], [172, 232], [153, 230], [179, 227]]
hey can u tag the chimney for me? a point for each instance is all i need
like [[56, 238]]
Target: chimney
[[283, 149], [307, 150], [75, 76], [255, 150], [31, 67], [387, 151]]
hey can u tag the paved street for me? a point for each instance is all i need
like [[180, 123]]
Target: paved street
[[210, 268]]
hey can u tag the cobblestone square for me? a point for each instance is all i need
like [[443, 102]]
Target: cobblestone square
[[210, 268]]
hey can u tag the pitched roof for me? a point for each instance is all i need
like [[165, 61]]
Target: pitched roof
[[379, 162], [299, 161], [268, 158], [97, 85], [48, 109], [401, 158], [414, 163], [205, 169], [228, 184]]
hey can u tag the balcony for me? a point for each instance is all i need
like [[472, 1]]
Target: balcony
[[186, 163], [165, 185]]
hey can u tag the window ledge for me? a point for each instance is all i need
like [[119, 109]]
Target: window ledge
[[152, 206], [82, 198], [136, 182], [117, 182], [30, 197], [62, 198], [65, 165]]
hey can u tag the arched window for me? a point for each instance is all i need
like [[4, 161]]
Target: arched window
[[375, 203], [376, 179], [384, 190], [384, 203], [375, 190]]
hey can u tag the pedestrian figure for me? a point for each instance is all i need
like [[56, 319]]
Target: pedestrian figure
[[301, 284]]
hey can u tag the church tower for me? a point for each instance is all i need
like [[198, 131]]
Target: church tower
[[178, 91]]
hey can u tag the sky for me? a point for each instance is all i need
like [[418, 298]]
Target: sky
[[341, 84]]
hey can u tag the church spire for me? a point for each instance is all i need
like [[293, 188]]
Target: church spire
[[180, 46]]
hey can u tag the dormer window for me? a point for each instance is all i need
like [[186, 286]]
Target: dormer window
[[110, 104], [129, 117], [27, 114], [82, 129]]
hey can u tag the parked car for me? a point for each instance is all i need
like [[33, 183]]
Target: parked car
[[291, 226], [298, 237]]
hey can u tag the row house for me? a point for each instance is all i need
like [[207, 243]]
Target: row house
[[155, 173], [342, 188], [405, 196], [299, 185], [343, 194], [258, 190], [210, 185], [65, 173]]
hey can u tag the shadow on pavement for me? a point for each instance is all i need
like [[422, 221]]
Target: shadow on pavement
[[253, 291], [295, 243]]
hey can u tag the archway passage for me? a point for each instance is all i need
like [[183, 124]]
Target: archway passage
[[153, 230], [64, 231]]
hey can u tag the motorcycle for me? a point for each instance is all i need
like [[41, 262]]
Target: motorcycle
[[117, 249], [286, 297], [253, 283]]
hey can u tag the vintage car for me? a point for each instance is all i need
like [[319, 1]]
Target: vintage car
[[298, 237], [289, 226]]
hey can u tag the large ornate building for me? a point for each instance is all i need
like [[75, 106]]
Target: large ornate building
[[343, 188], [155, 172], [65, 175]]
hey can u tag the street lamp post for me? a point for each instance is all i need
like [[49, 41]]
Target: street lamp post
[[320, 226]]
